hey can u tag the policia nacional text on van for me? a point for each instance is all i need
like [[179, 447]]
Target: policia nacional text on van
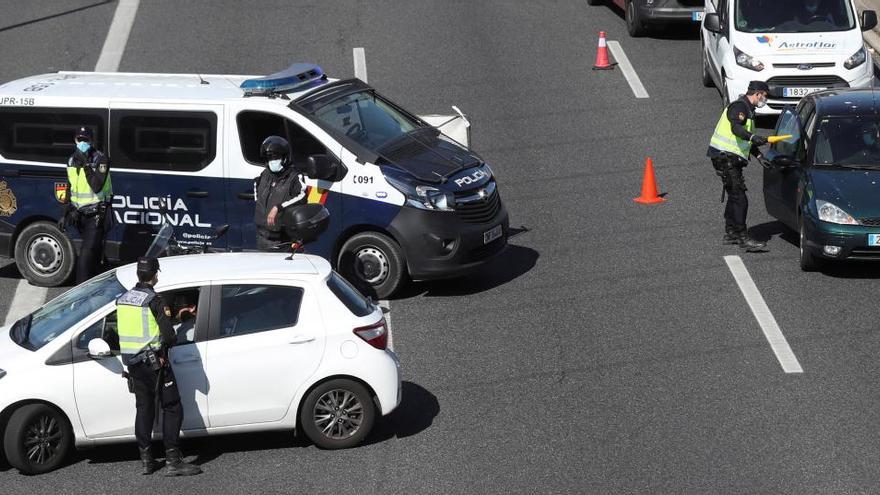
[[406, 201], [729, 149]]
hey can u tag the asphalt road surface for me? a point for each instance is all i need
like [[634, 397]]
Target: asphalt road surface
[[610, 349]]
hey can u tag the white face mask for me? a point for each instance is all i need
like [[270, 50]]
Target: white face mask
[[275, 165]]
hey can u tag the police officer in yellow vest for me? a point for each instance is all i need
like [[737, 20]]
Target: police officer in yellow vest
[[90, 194], [731, 145], [145, 334]]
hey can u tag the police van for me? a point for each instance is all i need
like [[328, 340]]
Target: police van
[[409, 201], [796, 46]]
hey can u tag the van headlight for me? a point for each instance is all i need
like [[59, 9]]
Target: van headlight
[[857, 59], [743, 59], [829, 212], [422, 196]]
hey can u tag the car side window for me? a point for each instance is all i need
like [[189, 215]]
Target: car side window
[[185, 314], [789, 124], [105, 328], [252, 308]]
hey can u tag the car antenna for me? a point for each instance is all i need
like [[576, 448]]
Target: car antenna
[[202, 81]]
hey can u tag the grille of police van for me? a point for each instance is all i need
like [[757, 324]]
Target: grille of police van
[[806, 81], [479, 210], [870, 222], [817, 65]]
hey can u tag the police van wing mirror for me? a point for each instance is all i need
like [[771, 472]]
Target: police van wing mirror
[[868, 20], [99, 349], [712, 23], [325, 167], [305, 222], [221, 231]]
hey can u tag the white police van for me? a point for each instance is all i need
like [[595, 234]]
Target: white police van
[[411, 202], [795, 46]]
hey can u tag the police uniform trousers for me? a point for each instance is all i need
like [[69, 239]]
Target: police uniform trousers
[[268, 240], [91, 230], [730, 168], [147, 389]]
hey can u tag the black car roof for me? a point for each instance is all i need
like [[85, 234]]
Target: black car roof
[[848, 101]]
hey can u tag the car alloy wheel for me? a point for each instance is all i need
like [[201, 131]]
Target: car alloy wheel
[[338, 414]]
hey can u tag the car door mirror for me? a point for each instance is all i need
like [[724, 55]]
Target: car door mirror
[[325, 167], [305, 222], [712, 23], [99, 349], [869, 20]]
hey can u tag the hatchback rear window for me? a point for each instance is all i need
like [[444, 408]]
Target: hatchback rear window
[[349, 296]]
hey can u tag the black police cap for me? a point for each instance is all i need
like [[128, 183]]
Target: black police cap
[[759, 86], [147, 265], [84, 133]]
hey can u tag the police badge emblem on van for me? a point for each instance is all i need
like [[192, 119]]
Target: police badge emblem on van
[[8, 203]]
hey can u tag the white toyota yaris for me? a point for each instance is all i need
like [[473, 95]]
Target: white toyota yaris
[[276, 344]]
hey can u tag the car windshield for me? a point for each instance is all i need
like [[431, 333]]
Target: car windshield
[[793, 16], [366, 118], [43, 325], [850, 141]]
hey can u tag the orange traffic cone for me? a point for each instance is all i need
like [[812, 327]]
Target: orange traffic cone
[[602, 62], [649, 186]]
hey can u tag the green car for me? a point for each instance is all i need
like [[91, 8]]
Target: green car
[[824, 181]]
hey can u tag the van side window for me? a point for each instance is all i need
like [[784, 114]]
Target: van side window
[[46, 134], [159, 140], [254, 127]]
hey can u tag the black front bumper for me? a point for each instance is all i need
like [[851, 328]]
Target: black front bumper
[[670, 10], [443, 244]]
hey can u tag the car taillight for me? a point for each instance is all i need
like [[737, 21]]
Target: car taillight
[[376, 335]]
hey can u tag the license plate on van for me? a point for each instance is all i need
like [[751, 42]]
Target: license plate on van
[[491, 234], [799, 92], [874, 239], [697, 16]]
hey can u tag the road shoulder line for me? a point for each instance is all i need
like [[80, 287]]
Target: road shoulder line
[[629, 72], [772, 332]]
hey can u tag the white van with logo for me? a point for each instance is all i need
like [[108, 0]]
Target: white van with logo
[[795, 46], [411, 200]]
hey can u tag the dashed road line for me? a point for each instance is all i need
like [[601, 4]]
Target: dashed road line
[[386, 306], [778, 343], [629, 72], [27, 298], [360, 64], [117, 36]]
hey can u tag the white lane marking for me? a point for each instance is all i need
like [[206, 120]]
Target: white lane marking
[[387, 306], [360, 64], [629, 73], [26, 299], [762, 313], [117, 36]]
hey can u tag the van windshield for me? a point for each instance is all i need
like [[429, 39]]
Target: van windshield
[[43, 325], [851, 141], [793, 16], [366, 118]]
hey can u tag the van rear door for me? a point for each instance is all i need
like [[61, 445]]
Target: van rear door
[[167, 167]]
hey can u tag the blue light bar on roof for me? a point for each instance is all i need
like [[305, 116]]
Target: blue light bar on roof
[[295, 76]]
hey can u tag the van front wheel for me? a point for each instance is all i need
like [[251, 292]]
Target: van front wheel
[[44, 255], [374, 263]]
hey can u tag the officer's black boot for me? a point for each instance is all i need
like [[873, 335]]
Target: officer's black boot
[[751, 245], [731, 235], [150, 465], [175, 465]]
